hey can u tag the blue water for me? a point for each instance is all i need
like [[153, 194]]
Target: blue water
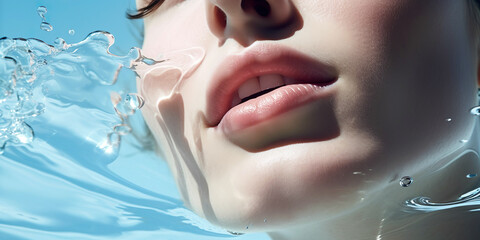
[[57, 179]]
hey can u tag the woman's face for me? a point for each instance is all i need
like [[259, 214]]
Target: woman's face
[[374, 90]]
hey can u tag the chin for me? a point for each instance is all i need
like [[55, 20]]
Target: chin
[[290, 183]]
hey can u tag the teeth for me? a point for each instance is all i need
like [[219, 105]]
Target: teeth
[[271, 81], [236, 100], [258, 84], [250, 87], [289, 81]]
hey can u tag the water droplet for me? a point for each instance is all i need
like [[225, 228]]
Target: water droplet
[[134, 101], [265, 220], [71, 32], [46, 27], [406, 181], [60, 44], [475, 111], [471, 175], [448, 119], [42, 10], [235, 233]]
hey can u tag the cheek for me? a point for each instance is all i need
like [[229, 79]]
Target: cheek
[[183, 26], [423, 74]]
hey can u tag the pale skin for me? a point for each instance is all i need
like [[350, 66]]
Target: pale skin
[[406, 78]]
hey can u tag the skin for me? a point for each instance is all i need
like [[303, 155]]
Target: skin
[[404, 68]]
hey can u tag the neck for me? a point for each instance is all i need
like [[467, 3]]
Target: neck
[[387, 216]]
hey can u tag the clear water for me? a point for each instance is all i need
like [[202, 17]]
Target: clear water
[[71, 167]]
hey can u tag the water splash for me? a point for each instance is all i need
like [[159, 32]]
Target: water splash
[[62, 93], [180, 65], [424, 204], [30, 67], [58, 132], [27, 67], [125, 107]]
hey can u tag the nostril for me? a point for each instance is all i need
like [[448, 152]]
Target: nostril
[[261, 7], [221, 17]]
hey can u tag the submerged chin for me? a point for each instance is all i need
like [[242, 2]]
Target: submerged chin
[[289, 184]]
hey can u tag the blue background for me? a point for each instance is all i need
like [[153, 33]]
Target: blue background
[[19, 18]]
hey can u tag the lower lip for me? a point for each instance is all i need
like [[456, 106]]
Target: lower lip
[[271, 105]]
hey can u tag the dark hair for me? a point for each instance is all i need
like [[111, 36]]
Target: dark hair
[[155, 4], [144, 11]]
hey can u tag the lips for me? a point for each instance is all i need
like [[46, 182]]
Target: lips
[[263, 82]]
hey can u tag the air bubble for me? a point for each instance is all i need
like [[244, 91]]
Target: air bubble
[[475, 111], [134, 101], [448, 119], [71, 32], [471, 175], [130, 104], [406, 181], [46, 26], [464, 141]]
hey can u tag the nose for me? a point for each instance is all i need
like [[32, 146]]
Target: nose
[[247, 21]]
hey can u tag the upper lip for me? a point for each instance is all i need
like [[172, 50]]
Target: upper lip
[[258, 60]]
